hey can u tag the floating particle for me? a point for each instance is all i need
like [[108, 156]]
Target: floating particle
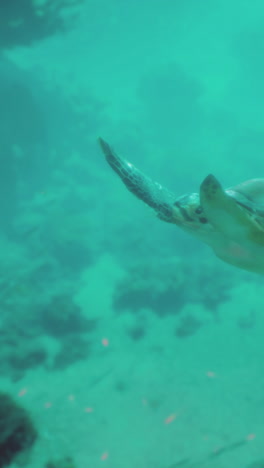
[[251, 436], [170, 418], [104, 456], [88, 410], [211, 374], [48, 404]]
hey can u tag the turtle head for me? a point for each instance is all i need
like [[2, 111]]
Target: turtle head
[[189, 214]]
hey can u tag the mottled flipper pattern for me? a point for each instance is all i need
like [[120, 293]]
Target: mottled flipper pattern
[[144, 188]]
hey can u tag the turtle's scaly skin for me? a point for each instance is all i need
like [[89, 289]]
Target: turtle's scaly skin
[[230, 221], [150, 192]]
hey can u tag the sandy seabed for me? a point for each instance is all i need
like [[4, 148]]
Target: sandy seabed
[[161, 402]]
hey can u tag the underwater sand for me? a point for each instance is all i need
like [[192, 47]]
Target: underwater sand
[[156, 402]]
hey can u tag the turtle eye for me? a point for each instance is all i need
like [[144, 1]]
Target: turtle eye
[[199, 210]]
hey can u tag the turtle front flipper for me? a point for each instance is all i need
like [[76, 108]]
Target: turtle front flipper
[[150, 192]]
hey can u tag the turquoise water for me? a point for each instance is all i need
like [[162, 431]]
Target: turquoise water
[[128, 343]]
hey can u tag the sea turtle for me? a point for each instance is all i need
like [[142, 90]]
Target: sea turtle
[[230, 221]]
